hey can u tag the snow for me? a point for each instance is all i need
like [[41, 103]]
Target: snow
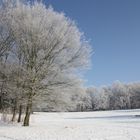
[[100, 125]]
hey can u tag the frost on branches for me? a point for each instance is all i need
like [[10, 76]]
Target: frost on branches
[[41, 52]]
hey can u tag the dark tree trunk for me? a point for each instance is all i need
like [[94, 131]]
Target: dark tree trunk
[[1, 103], [20, 113], [1, 98], [14, 110], [28, 112], [2, 87]]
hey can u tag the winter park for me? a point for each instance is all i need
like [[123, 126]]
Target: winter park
[[69, 70]]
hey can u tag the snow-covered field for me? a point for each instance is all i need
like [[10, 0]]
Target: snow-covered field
[[103, 125]]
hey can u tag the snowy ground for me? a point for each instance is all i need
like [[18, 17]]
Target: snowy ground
[[104, 125]]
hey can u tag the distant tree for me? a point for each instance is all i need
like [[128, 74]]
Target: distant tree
[[92, 92], [119, 93], [134, 95]]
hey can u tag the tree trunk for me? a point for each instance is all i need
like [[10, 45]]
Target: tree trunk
[[28, 112], [14, 115], [1, 98], [20, 113], [1, 103], [14, 111]]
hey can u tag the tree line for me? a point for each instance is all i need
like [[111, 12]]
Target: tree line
[[114, 97]]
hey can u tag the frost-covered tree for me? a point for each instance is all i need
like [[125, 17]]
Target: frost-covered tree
[[92, 92], [51, 47], [120, 96], [99, 97], [134, 94]]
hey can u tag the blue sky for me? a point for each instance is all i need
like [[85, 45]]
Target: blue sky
[[113, 26]]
